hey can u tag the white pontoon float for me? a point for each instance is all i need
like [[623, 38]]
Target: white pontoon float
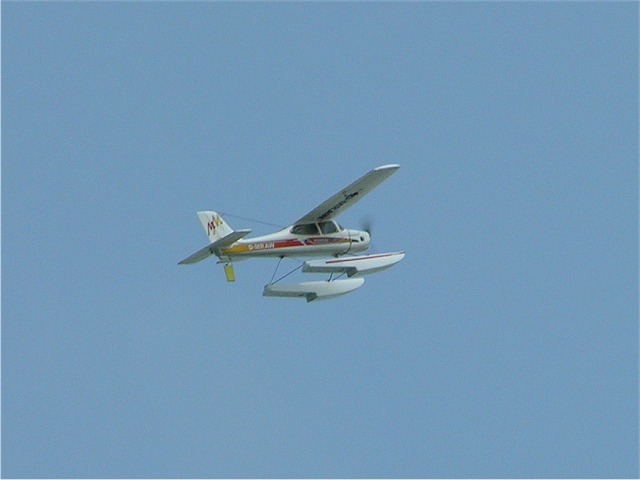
[[354, 266], [320, 290]]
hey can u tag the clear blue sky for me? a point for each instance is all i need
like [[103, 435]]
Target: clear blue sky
[[504, 345]]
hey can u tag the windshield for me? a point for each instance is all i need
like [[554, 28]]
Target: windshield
[[328, 227]]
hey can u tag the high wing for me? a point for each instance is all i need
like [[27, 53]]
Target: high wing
[[345, 198]]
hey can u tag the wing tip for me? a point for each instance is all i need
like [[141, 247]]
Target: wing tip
[[391, 166]]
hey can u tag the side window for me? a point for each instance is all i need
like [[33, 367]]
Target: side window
[[305, 229], [328, 227]]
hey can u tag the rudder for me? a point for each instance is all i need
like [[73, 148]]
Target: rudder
[[214, 225]]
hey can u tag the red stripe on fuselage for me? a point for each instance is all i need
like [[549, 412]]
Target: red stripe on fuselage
[[287, 243], [324, 240]]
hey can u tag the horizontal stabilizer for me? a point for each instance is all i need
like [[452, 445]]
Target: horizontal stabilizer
[[356, 265], [314, 290], [214, 248]]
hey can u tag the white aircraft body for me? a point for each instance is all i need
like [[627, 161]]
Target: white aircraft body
[[316, 234]]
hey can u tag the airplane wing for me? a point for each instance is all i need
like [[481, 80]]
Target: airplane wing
[[349, 195]]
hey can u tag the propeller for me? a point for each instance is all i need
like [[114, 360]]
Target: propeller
[[367, 224]]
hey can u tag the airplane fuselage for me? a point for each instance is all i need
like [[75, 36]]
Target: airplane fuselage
[[287, 244]]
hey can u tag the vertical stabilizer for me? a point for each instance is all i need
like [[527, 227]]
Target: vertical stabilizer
[[213, 224]]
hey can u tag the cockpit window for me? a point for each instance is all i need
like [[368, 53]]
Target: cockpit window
[[305, 229], [328, 227]]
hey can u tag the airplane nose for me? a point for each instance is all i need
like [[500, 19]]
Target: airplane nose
[[365, 237], [362, 237]]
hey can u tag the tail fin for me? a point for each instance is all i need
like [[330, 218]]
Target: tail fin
[[213, 224]]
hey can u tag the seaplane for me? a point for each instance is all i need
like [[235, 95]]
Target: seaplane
[[327, 247]]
